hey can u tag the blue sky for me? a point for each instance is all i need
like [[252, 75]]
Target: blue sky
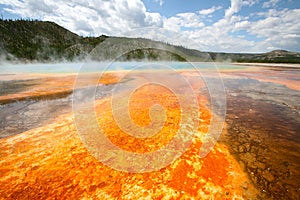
[[170, 8], [208, 25]]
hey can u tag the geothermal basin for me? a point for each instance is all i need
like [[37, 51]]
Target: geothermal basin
[[257, 156]]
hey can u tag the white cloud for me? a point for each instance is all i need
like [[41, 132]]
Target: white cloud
[[235, 7], [161, 2], [210, 10], [279, 29], [250, 2], [271, 3], [276, 30], [91, 17], [185, 20], [242, 25]]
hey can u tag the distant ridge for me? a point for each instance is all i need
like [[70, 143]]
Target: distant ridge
[[39, 41]]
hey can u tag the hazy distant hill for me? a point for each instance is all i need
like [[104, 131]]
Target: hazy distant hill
[[25, 40], [276, 56]]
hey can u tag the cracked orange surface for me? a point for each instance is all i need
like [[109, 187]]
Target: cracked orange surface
[[50, 162]]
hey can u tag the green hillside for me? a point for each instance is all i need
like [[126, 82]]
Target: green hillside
[[42, 41]]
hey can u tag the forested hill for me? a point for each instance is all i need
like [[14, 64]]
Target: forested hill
[[40, 41]]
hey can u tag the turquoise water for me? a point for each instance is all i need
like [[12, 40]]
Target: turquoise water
[[105, 66]]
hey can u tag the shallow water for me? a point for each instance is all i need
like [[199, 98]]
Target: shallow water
[[263, 119], [20, 116], [105, 66]]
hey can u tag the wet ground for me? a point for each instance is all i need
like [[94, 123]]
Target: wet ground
[[264, 135], [12, 87], [24, 115], [263, 124], [32, 112], [51, 161]]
